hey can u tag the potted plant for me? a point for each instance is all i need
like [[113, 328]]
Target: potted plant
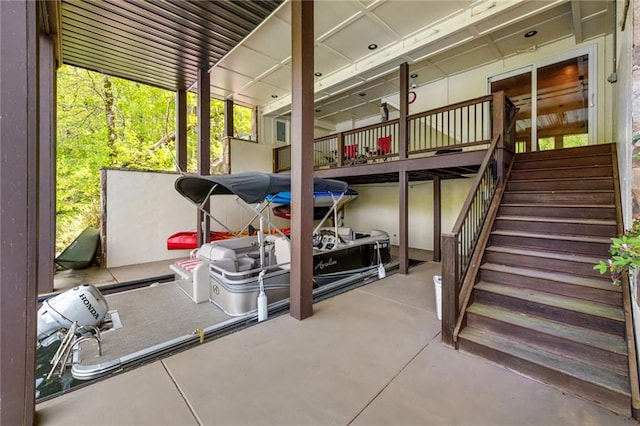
[[625, 254]]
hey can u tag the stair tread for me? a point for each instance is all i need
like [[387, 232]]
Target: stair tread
[[569, 237], [566, 179], [578, 206], [556, 191], [561, 302], [568, 366], [598, 339], [560, 167], [545, 254], [576, 220], [602, 284]]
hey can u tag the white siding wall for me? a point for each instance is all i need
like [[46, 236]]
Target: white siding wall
[[144, 209]]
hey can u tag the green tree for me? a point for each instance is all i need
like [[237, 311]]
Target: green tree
[[105, 121]]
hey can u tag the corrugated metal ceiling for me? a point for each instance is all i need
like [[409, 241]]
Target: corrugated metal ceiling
[[161, 43]]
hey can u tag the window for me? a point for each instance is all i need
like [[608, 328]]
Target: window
[[281, 131]]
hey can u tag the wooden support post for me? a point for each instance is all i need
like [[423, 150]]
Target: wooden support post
[[340, 153], [302, 98], [181, 130], [403, 140], [403, 228], [47, 164], [204, 145], [437, 218], [19, 176], [450, 295], [228, 118]]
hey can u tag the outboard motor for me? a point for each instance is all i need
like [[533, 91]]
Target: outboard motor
[[83, 304]]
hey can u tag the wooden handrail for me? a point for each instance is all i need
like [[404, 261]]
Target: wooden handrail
[[470, 277], [464, 246]]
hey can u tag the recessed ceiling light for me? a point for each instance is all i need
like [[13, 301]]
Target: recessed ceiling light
[[373, 46], [362, 94], [317, 74], [414, 75], [274, 96], [317, 110], [530, 33]]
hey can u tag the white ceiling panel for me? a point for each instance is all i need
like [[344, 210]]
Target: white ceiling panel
[[352, 41], [280, 78], [441, 45], [346, 102], [330, 14], [514, 14], [248, 62], [328, 61], [273, 40], [550, 30], [262, 91], [467, 60], [221, 77], [395, 14]]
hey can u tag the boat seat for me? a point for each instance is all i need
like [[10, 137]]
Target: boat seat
[[216, 252], [226, 264], [245, 263], [196, 271], [282, 251], [345, 232]]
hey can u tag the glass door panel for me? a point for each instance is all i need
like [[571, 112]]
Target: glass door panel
[[562, 99], [518, 89]]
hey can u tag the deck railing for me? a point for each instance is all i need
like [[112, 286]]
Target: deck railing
[[460, 249], [455, 127]]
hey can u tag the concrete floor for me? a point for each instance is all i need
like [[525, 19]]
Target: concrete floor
[[100, 276], [371, 356]]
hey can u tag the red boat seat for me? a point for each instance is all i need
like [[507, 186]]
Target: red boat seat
[[350, 151], [384, 145]]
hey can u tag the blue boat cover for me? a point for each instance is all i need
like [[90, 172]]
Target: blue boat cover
[[285, 196], [251, 187]]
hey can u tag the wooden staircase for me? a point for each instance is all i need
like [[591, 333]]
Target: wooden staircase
[[538, 306]]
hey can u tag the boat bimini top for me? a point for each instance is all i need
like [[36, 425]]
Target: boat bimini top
[[251, 187]]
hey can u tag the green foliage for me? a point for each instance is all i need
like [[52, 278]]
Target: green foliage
[[105, 121], [625, 254], [568, 141]]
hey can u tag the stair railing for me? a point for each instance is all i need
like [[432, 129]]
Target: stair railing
[[461, 259]]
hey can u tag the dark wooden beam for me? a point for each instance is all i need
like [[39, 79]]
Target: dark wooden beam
[[403, 138], [19, 220], [204, 145], [436, 162], [403, 223], [181, 130], [437, 218], [228, 118], [302, 98], [450, 296], [47, 164]]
